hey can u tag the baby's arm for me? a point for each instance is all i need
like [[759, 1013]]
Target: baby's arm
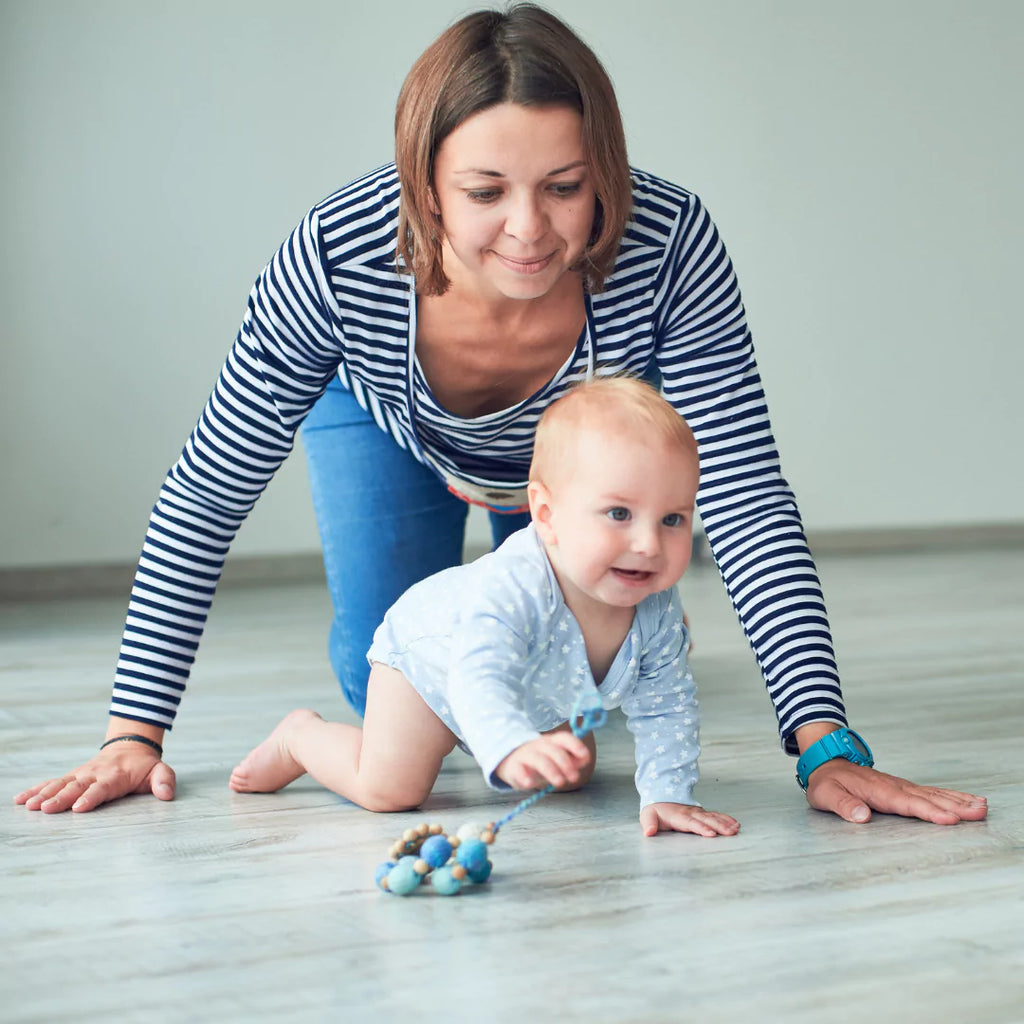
[[663, 715], [486, 686]]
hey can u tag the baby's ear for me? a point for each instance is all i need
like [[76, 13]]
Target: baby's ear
[[540, 510]]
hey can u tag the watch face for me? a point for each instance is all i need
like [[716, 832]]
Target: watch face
[[858, 744]]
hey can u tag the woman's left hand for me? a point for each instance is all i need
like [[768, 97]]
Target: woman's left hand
[[853, 791]]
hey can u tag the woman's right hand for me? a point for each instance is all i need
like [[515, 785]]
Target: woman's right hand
[[116, 771]]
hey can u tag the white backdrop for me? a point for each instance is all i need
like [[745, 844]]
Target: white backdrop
[[861, 160]]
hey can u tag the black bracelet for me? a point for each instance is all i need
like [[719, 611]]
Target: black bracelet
[[138, 739]]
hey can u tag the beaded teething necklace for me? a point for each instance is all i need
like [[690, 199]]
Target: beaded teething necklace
[[426, 853]]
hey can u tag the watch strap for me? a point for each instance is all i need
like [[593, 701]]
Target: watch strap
[[843, 742]]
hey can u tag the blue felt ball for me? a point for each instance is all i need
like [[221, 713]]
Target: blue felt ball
[[402, 878], [480, 874], [445, 882], [472, 854], [382, 871], [436, 850]]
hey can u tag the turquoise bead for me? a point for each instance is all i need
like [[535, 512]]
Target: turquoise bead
[[472, 855], [402, 878], [445, 882], [480, 874]]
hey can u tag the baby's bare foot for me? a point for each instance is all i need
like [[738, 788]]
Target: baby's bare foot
[[270, 766]]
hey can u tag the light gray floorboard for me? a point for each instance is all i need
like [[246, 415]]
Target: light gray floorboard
[[231, 907]]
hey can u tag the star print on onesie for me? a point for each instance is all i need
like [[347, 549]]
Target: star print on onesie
[[495, 652]]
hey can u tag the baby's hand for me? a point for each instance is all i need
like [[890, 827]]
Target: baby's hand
[[665, 817], [556, 758]]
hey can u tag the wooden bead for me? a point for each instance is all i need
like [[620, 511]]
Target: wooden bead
[[458, 871], [487, 836], [409, 834], [421, 867]]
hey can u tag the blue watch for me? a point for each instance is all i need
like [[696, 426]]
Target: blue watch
[[841, 743]]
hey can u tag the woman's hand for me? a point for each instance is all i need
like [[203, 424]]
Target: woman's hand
[[667, 817], [852, 791], [116, 771], [557, 758]]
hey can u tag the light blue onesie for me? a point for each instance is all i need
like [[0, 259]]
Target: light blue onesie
[[495, 652]]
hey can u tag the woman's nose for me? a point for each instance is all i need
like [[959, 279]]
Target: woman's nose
[[526, 220]]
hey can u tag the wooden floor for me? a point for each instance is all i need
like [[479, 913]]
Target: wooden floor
[[229, 907]]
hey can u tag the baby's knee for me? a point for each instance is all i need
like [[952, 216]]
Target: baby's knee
[[391, 799]]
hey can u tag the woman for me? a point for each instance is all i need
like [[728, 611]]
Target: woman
[[418, 322]]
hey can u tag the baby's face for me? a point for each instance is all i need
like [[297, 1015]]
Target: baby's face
[[621, 519]]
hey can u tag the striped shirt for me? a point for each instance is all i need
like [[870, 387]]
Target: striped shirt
[[332, 302]]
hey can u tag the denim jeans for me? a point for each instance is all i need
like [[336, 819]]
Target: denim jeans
[[386, 522]]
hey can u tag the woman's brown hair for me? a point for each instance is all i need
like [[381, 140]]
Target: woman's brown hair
[[521, 55]]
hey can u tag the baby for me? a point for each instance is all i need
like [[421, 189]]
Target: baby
[[495, 655]]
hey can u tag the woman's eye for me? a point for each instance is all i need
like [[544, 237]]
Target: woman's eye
[[564, 189], [482, 195], [673, 519], [619, 515]]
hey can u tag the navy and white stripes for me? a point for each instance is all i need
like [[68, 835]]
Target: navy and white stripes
[[331, 302]]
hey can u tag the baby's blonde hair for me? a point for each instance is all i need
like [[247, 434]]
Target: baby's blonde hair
[[625, 405]]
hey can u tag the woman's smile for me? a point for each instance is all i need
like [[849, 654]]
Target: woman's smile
[[527, 265]]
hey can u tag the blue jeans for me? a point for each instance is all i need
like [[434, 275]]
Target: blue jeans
[[386, 522]]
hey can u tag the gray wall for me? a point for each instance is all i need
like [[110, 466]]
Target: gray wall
[[861, 160]]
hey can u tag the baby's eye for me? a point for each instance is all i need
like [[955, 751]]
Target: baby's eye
[[673, 519], [619, 514]]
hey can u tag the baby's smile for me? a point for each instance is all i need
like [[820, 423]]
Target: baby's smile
[[633, 575]]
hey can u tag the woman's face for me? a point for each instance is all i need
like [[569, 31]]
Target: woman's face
[[515, 199]]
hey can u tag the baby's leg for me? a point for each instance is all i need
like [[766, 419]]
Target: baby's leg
[[404, 744], [271, 766], [390, 764]]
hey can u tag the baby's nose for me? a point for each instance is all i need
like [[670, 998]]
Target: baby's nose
[[645, 539]]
